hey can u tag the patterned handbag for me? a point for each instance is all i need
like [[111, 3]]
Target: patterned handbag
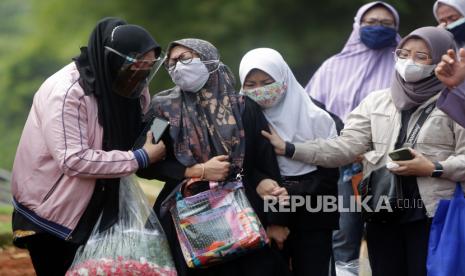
[[216, 225]]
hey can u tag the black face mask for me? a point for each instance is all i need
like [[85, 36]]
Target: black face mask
[[133, 75], [130, 83], [458, 30]]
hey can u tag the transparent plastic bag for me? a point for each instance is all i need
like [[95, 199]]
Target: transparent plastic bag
[[216, 225], [349, 268], [134, 245]]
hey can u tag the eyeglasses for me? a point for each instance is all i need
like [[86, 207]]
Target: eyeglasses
[[135, 62], [184, 58], [418, 57], [378, 22]]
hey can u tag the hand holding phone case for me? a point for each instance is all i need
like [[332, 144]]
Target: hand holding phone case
[[401, 154], [158, 127], [158, 132]]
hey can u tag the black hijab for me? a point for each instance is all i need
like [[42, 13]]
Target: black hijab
[[120, 117]]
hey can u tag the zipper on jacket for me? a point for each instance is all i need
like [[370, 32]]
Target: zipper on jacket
[[52, 189]]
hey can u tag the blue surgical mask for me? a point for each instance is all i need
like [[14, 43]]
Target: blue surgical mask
[[457, 28], [377, 37]]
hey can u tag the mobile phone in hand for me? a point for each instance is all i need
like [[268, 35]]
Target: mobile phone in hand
[[158, 127], [401, 154]]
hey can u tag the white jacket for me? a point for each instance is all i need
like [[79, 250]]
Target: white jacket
[[372, 129]]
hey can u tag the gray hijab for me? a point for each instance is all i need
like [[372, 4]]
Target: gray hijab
[[407, 95]]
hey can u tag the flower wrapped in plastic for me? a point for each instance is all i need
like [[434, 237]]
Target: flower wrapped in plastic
[[134, 245]]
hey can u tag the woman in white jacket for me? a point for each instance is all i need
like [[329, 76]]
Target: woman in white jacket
[[383, 122]]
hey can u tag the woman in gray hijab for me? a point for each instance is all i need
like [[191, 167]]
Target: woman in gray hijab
[[390, 119]]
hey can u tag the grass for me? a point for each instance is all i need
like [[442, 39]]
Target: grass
[[151, 189], [5, 225], [5, 209], [5, 228]]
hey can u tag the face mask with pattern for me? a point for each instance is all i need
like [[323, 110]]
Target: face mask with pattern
[[268, 95]]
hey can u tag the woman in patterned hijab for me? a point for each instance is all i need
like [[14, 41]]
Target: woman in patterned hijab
[[206, 122], [214, 134]]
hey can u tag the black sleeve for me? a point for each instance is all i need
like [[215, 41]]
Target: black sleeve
[[165, 170], [260, 160], [323, 181], [339, 123]]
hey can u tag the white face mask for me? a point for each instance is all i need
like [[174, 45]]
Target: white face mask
[[190, 77], [412, 72]]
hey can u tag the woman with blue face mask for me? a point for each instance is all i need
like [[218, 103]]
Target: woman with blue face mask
[[364, 65], [214, 134], [378, 28], [387, 120]]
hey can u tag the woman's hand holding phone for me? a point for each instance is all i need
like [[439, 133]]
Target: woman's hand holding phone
[[156, 152], [418, 166]]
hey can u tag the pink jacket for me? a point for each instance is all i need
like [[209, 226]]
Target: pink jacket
[[59, 156]]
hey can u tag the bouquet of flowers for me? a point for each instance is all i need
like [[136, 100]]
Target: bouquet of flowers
[[134, 245]]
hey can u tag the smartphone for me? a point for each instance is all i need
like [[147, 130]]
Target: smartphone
[[401, 154], [158, 127]]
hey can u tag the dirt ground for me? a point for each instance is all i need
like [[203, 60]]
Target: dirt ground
[[15, 262]]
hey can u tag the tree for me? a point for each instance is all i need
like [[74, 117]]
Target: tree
[[39, 37]]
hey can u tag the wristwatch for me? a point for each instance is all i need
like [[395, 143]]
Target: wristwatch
[[438, 169], [289, 150]]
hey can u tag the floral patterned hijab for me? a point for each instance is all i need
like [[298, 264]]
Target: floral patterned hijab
[[207, 123]]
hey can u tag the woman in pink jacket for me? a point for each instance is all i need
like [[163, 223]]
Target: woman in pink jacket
[[77, 142]]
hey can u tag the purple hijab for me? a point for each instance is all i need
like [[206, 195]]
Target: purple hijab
[[345, 79], [453, 103]]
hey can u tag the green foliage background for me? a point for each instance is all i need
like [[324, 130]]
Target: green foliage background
[[39, 37]]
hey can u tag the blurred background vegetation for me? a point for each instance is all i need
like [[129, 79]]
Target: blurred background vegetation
[[39, 37]]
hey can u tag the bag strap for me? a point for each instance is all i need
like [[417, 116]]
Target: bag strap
[[172, 196], [412, 138]]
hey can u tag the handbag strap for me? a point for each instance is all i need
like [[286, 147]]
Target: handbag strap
[[176, 194], [412, 138]]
